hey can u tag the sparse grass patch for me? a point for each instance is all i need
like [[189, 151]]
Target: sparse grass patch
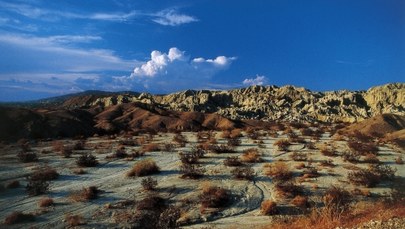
[[143, 168]]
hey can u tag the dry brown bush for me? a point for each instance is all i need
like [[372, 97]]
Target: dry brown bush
[[300, 201], [46, 173], [337, 199], [143, 168], [371, 176], [232, 161], [151, 147], [268, 207], [87, 160], [180, 139], [399, 160], [251, 155], [149, 184], [233, 142], [310, 172], [218, 149], [289, 189], [327, 163], [352, 157], [282, 144], [45, 202], [79, 171], [371, 158], [243, 173], [74, 220], [278, 171], [26, 157], [57, 146], [86, 194], [152, 202], [191, 171], [36, 187], [363, 148], [214, 197], [19, 217]]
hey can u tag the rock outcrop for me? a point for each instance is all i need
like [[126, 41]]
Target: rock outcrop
[[287, 103]]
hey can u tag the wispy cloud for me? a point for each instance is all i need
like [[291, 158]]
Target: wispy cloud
[[172, 18], [167, 17], [58, 53]]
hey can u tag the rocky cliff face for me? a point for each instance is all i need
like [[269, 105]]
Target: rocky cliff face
[[287, 103]]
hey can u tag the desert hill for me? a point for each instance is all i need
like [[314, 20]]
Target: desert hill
[[287, 103]]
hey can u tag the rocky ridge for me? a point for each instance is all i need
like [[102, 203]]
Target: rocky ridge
[[287, 103]]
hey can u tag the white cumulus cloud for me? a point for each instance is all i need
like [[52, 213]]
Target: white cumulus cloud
[[259, 80], [175, 70]]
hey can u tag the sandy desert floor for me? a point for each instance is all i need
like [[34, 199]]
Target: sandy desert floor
[[116, 188]]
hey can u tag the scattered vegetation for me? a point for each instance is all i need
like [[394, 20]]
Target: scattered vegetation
[[232, 161], [243, 173], [151, 147], [278, 171], [289, 189], [37, 187], [87, 160], [371, 176], [191, 171], [299, 156], [300, 201], [74, 220], [282, 144], [143, 168], [268, 207], [86, 194], [45, 202], [13, 184], [251, 155], [213, 196], [149, 184], [26, 157], [19, 217], [44, 173]]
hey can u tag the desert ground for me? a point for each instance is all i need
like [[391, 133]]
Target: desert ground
[[316, 162]]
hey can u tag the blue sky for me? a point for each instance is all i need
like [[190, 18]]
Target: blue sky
[[50, 48]]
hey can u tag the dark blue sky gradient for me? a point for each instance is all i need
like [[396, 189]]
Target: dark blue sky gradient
[[317, 44]]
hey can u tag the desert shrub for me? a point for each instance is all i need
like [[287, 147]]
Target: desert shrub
[[326, 151], [79, 145], [243, 173], [203, 136], [235, 133], [128, 142], [144, 168], [282, 144], [362, 147], [13, 184], [45, 202], [251, 155], [24, 144], [278, 171], [363, 177], [399, 160], [300, 166], [307, 131], [233, 142], [151, 147], [168, 218], [191, 171], [26, 157], [188, 158], [200, 153], [86, 194], [268, 207], [149, 184], [214, 197], [232, 161], [299, 156], [289, 189], [221, 149], [361, 137], [120, 152], [385, 172], [151, 202], [327, 163], [371, 158], [57, 146], [337, 199], [351, 157], [44, 173], [226, 134], [66, 152], [300, 201], [37, 187], [168, 147], [310, 172], [87, 160], [74, 220], [180, 140], [19, 217], [310, 145]]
